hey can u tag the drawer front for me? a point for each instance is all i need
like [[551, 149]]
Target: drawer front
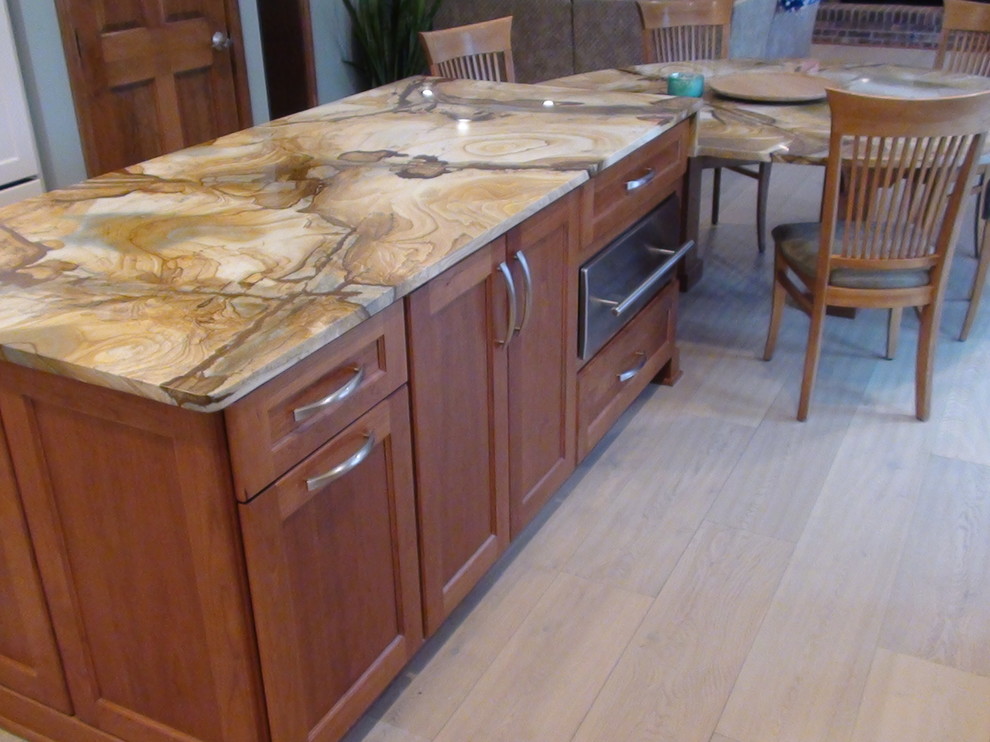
[[285, 420], [609, 383], [624, 192]]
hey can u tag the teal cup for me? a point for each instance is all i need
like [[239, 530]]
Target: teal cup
[[688, 84]]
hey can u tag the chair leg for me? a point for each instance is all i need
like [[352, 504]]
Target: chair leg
[[776, 310], [979, 282], [811, 357], [925, 363], [716, 192], [762, 194], [893, 331]]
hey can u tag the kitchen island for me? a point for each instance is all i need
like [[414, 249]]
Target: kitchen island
[[202, 351]]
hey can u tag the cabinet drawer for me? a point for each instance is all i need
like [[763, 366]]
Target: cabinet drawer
[[612, 199], [622, 369], [285, 420]]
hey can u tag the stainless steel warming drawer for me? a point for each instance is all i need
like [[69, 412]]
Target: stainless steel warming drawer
[[622, 278]]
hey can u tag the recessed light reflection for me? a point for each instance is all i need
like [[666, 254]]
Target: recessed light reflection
[[427, 93], [548, 104], [462, 125]]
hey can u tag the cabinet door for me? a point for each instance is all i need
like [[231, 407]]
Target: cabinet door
[[134, 525], [334, 576], [457, 365], [542, 359], [29, 662]]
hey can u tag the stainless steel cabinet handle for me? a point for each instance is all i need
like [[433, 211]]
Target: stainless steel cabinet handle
[[510, 290], [528, 278], [632, 185], [221, 41], [343, 467], [651, 280], [626, 375], [301, 413]]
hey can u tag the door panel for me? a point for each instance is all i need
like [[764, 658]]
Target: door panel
[[29, 662], [146, 78]]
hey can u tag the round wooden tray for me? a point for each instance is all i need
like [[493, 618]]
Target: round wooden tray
[[771, 87]]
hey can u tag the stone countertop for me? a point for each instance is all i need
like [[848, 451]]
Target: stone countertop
[[195, 277], [781, 132]]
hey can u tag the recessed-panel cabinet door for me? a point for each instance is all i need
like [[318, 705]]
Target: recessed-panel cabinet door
[[331, 550], [152, 76], [543, 358], [458, 325], [29, 662], [134, 525]]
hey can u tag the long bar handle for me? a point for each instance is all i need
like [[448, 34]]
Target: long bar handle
[[348, 464], [653, 279], [632, 185], [528, 278], [510, 290], [301, 413], [634, 371]]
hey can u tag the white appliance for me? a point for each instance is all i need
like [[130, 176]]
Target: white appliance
[[19, 172]]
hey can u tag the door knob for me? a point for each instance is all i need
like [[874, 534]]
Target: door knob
[[221, 41]]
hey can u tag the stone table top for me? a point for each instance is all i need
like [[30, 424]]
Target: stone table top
[[784, 132], [195, 277]]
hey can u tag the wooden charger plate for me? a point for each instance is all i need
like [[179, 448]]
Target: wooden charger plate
[[771, 87]]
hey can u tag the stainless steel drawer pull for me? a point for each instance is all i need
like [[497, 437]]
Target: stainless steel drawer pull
[[627, 375], [632, 185], [510, 290], [343, 467], [301, 413], [528, 277], [653, 279]]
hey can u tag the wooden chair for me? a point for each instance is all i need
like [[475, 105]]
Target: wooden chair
[[903, 166], [479, 51], [689, 30], [964, 46]]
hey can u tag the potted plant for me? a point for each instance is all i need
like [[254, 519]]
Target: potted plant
[[386, 37]]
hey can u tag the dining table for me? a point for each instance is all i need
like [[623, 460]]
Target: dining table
[[766, 110]]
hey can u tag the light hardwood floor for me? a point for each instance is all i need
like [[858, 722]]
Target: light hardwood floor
[[718, 572]]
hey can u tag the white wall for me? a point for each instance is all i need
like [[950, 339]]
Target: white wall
[[46, 77]]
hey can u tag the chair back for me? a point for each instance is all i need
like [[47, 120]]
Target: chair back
[[964, 45], [896, 175], [479, 51], [685, 30]]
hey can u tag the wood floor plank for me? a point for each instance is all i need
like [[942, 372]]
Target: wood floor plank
[[370, 729], [911, 700], [442, 674], [637, 542], [964, 430], [939, 608], [542, 683], [775, 483], [674, 678], [804, 676]]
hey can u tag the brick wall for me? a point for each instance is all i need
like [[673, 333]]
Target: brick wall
[[851, 24]]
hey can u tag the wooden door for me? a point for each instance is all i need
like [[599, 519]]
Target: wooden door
[[29, 662], [147, 77], [134, 524], [335, 577], [458, 369], [543, 359]]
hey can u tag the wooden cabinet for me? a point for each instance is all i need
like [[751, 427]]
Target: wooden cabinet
[[29, 661], [642, 351], [335, 577], [134, 527], [492, 358]]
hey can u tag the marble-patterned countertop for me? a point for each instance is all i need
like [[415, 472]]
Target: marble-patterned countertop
[[195, 277], [781, 132]]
